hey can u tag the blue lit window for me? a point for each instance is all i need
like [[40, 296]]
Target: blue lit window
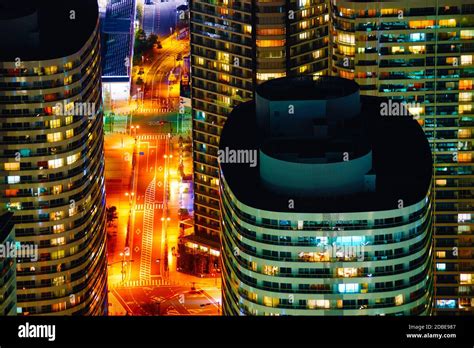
[[446, 304], [351, 240], [348, 288], [417, 37], [441, 266]]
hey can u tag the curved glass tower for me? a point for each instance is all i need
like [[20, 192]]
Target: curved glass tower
[[325, 211], [51, 153]]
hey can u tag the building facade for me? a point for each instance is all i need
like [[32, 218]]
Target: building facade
[[235, 46], [7, 266], [51, 153], [322, 215], [117, 36], [422, 52]]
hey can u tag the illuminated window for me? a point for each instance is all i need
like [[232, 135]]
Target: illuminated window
[[303, 69], [67, 80], [417, 37], [348, 288], [346, 74], [347, 272], [223, 57], [270, 270], [441, 266], [465, 85], [56, 163], [466, 278], [271, 31], [69, 133], [270, 43], [441, 254], [68, 120], [55, 123], [466, 60], [57, 254], [12, 166], [312, 304], [52, 137], [346, 38], [464, 217], [389, 11], [269, 76], [303, 36], [464, 133], [398, 49], [200, 60], [317, 54], [51, 70], [399, 300], [13, 179], [224, 77], [441, 182], [346, 50], [465, 96], [465, 108], [464, 157], [416, 49], [58, 241], [303, 3], [421, 24], [447, 23], [225, 67], [247, 29], [467, 34], [57, 189], [304, 13], [73, 158]]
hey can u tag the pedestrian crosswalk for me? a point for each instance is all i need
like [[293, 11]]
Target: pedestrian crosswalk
[[152, 136], [142, 206], [138, 283]]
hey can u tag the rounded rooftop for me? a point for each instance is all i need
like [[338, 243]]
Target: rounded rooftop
[[307, 88]]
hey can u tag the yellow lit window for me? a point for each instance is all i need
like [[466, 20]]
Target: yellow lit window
[[464, 133], [55, 123], [399, 300], [465, 108], [441, 182], [57, 189], [317, 54], [303, 3], [447, 23], [417, 49], [464, 157], [389, 11], [304, 25], [313, 304], [398, 49], [270, 270], [465, 85], [346, 50], [303, 36], [200, 60], [57, 254], [421, 24], [56, 163], [304, 13], [346, 38], [247, 29], [347, 272], [58, 241], [225, 67], [303, 69], [51, 70], [271, 31], [73, 158], [12, 166], [52, 137], [416, 110], [69, 133], [465, 96], [346, 74], [466, 59], [467, 34], [441, 254], [224, 77], [269, 76], [67, 80], [466, 278], [223, 57], [270, 43]]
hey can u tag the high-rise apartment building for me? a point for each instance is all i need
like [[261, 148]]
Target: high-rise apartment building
[[7, 266], [421, 52], [117, 40], [51, 152], [235, 46], [322, 215]]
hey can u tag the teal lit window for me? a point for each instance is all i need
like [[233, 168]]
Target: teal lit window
[[348, 288]]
